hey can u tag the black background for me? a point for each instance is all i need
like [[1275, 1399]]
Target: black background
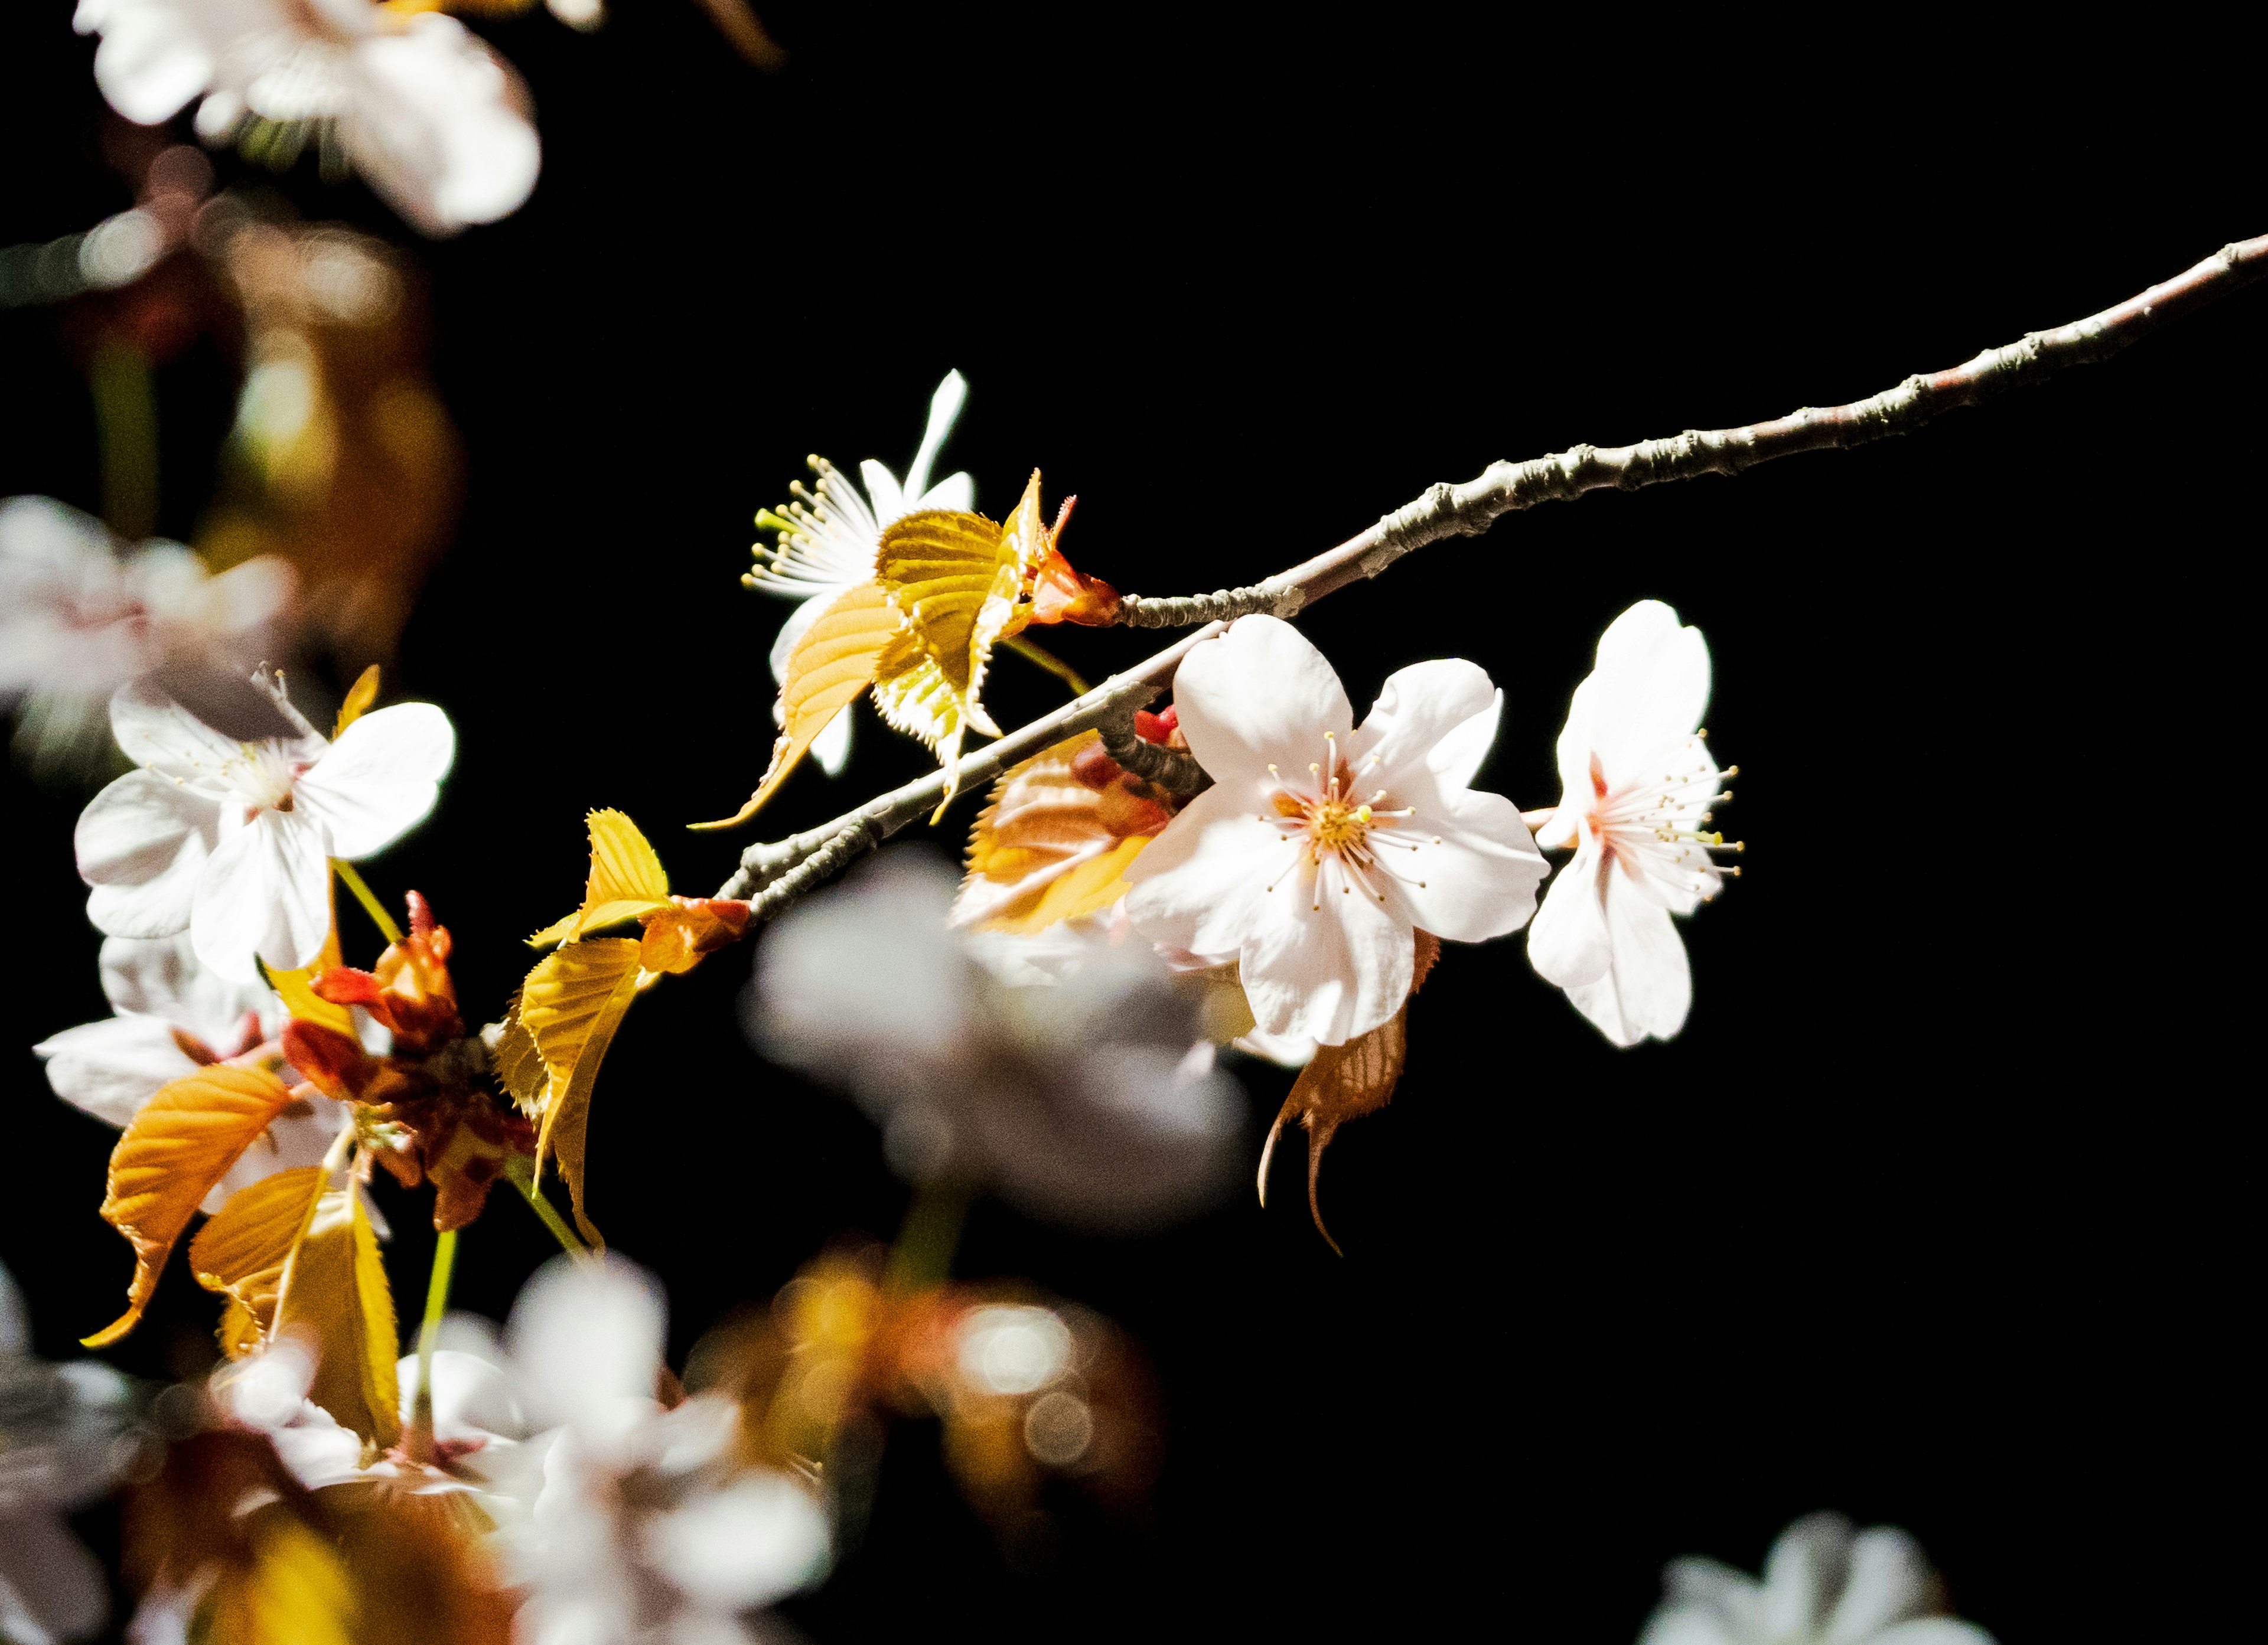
[[1929, 1215]]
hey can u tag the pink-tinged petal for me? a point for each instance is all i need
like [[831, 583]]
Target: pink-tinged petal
[[1472, 871], [265, 893], [1330, 963], [1201, 885], [1933, 1631], [161, 977], [1648, 991], [301, 1135], [151, 61], [1261, 693], [437, 125], [110, 1068], [1808, 1564], [1648, 691], [141, 843], [1417, 708], [380, 779], [1890, 1582], [161, 735], [1567, 942]]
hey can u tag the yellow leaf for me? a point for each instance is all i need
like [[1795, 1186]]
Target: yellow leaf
[[176, 1148], [364, 694], [242, 1252], [334, 1296], [571, 1003], [830, 666], [626, 880], [298, 998], [295, 1590], [1054, 839], [519, 1065]]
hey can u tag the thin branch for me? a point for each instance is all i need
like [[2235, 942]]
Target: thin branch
[[1459, 510]]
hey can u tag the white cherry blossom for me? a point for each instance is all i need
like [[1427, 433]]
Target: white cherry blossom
[[1636, 780], [433, 120], [829, 537], [168, 1007], [231, 841], [1321, 848], [1824, 1584]]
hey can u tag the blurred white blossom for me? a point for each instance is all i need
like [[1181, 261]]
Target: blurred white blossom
[[62, 1444], [232, 840], [433, 120], [80, 618], [1637, 781], [1070, 1071], [829, 542], [173, 1014], [1824, 1584], [1322, 850]]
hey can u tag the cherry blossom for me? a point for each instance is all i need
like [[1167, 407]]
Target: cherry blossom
[[828, 538], [172, 1015], [1321, 848], [433, 120], [1638, 781], [1824, 1584], [231, 841], [1067, 1070]]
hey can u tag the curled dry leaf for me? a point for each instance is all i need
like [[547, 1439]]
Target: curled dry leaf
[[571, 1004], [1054, 840], [1343, 1083], [180, 1143]]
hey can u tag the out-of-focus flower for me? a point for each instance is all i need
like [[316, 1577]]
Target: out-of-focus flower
[[1637, 781], [1322, 850], [62, 1444], [1026, 1390], [78, 619], [173, 1016], [1094, 1101], [232, 840], [436, 121], [1824, 1584], [830, 535], [648, 1527]]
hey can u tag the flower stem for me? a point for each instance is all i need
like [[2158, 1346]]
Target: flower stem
[[371, 904], [921, 1259], [523, 1178], [436, 1301], [1050, 661]]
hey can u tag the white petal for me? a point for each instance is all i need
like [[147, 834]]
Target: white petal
[[1330, 965], [1568, 943], [161, 735], [1474, 870], [832, 746], [586, 1336], [302, 1134], [798, 624], [266, 892], [380, 778], [51, 1588], [472, 1396], [436, 126], [1890, 1581], [143, 842], [110, 1068], [944, 410], [151, 61], [760, 1538], [1648, 990], [1734, 1598], [955, 492], [1933, 1631], [1682, 1625], [1417, 708], [1806, 1568], [1648, 691], [1458, 757], [1194, 885], [161, 977], [883, 491], [1259, 694]]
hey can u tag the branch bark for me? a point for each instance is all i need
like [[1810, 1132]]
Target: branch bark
[[1459, 510]]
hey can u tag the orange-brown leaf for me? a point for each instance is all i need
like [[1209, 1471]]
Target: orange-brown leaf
[[1342, 1082], [242, 1252], [178, 1147], [1054, 839], [830, 666], [677, 938]]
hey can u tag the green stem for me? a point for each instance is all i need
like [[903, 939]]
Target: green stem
[[126, 430], [922, 1256], [1050, 661], [523, 1178], [372, 905], [437, 1302]]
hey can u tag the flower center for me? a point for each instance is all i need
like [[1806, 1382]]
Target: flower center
[[1335, 836], [1335, 825], [1655, 825]]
